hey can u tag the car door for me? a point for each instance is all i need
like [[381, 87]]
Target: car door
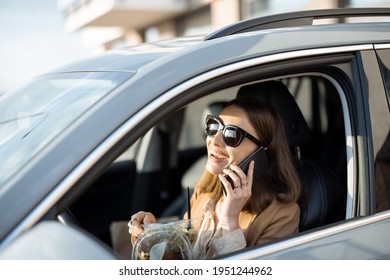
[[330, 93], [365, 234]]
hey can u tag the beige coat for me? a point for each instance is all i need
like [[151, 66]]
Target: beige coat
[[278, 220]]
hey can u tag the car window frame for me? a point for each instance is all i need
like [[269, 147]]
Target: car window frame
[[379, 105]]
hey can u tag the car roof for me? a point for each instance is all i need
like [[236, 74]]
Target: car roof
[[253, 43], [168, 67], [131, 58]]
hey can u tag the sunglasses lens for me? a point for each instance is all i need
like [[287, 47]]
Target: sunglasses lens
[[232, 136], [212, 126]]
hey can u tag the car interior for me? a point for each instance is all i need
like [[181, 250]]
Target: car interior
[[155, 172]]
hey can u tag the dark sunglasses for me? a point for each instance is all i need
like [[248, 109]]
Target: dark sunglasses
[[232, 135]]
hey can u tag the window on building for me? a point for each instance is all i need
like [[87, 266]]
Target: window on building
[[253, 8], [196, 23]]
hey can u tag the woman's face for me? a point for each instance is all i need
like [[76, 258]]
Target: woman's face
[[220, 156]]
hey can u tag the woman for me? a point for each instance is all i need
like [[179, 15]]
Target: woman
[[247, 213]]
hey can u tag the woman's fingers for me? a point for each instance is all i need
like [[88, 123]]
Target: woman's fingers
[[137, 220], [249, 177], [241, 176], [149, 218], [242, 182], [226, 183], [238, 176], [235, 178], [142, 217]]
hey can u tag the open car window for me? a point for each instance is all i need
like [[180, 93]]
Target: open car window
[[155, 171]]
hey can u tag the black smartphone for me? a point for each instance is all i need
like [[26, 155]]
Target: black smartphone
[[261, 164]]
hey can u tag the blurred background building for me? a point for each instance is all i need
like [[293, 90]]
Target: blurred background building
[[108, 24]]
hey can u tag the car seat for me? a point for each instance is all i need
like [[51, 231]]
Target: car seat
[[325, 196]]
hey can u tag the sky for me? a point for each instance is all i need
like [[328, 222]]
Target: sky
[[33, 41]]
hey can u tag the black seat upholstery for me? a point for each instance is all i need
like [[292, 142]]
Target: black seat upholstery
[[325, 201]]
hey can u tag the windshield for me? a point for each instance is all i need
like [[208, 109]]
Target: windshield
[[31, 117]]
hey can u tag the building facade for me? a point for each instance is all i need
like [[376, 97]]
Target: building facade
[[108, 24]]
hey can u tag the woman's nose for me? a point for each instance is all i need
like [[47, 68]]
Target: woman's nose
[[217, 140]]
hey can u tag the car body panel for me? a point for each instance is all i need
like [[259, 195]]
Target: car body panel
[[357, 239]]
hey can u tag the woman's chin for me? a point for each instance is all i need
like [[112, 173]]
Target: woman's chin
[[214, 169]]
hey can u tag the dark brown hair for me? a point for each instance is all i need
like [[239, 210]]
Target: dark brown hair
[[280, 181]]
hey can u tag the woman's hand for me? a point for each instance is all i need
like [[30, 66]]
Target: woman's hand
[[139, 219], [235, 199]]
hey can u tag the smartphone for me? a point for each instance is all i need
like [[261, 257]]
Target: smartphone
[[261, 164]]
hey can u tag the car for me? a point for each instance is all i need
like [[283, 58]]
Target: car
[[87, 145]]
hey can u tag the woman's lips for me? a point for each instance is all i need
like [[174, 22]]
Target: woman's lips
[[219, 157], [217, 162]]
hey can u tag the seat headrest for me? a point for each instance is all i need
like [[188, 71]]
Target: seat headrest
[[278, 95]]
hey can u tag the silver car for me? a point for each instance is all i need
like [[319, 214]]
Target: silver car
[[87, 145]]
